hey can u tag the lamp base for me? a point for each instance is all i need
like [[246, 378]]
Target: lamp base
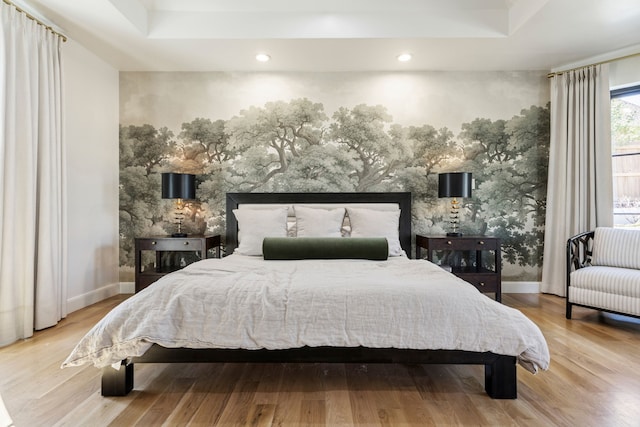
[[179, 235], [454, 234]]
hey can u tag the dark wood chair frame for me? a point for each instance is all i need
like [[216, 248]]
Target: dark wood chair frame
[[500, 370], [579, 251]]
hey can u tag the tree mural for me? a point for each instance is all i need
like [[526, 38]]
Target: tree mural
[[362, 131], [143, 149], [509, 161], [295, 146], [204, 143], [271, 138]]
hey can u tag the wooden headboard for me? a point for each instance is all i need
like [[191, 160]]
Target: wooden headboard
[[403, 199]]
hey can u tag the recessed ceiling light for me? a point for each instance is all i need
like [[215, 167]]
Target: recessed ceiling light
[[262, 57], [404, 57]]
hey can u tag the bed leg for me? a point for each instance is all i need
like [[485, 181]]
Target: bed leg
[[569, 307], [500, 379], [117, 382]]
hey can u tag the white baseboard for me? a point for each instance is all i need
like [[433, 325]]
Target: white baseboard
[[520, 287], [97, 295], [127, 287]]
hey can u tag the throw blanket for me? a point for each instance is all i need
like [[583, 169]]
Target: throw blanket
[[247, 302]]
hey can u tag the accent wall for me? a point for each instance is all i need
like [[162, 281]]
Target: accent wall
[[322, 132]]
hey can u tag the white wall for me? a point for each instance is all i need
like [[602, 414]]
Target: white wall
[[91, 136], [625, 72]]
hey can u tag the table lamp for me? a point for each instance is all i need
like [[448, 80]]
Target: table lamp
[[454, 185], [181, 187]]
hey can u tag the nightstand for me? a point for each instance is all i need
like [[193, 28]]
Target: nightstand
[[186, 248], [477, 259]]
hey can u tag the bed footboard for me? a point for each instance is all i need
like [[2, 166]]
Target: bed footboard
[[499, 370]]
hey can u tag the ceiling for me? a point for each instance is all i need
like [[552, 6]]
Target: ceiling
[[346, 35]]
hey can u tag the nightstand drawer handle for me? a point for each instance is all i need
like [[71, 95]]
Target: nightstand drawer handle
[[481, 284], [481, 242], [154, 242], [186, 243], [449, 242]]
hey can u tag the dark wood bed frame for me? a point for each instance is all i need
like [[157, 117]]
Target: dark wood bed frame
[[500, 370]]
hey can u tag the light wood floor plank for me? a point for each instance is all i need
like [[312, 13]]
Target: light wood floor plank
[[336, 392], [593, 381], [261, 415], [216, 396]]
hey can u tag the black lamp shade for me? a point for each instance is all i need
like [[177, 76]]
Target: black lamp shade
[[178, 186], [454, 184]]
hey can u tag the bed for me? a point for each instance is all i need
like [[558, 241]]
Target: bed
[[245, 308]]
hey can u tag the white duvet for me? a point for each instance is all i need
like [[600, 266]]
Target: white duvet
[[246, 302]]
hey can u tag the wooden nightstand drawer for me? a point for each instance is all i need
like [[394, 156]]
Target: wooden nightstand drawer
[[475, 259], [145, 279], [463, 243], [171, 244], [484, 282]]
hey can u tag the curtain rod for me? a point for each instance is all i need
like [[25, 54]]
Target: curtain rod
[[559, 73], [37, 21]]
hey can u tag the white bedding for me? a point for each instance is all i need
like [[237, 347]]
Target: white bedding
[[246, 302]]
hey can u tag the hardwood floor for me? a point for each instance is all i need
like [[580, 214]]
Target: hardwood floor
[[594, 380]]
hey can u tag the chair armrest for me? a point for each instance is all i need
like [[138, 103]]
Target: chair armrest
[[579, 251]]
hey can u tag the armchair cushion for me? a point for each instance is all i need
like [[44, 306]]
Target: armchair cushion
[[615, 247], [609, 288], [611, 280]]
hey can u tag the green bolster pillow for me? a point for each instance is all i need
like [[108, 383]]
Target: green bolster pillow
[[296, 248]]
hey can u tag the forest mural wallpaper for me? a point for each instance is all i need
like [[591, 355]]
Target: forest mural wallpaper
[[323, 132]]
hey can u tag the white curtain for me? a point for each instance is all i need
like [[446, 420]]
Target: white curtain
[[32, 205], [580, 186], [5, 418]]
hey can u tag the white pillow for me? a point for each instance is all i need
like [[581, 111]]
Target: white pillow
[[374, 223], [256, 224], [318, 222]]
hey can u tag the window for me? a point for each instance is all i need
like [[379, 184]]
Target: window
[[625, 140]]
